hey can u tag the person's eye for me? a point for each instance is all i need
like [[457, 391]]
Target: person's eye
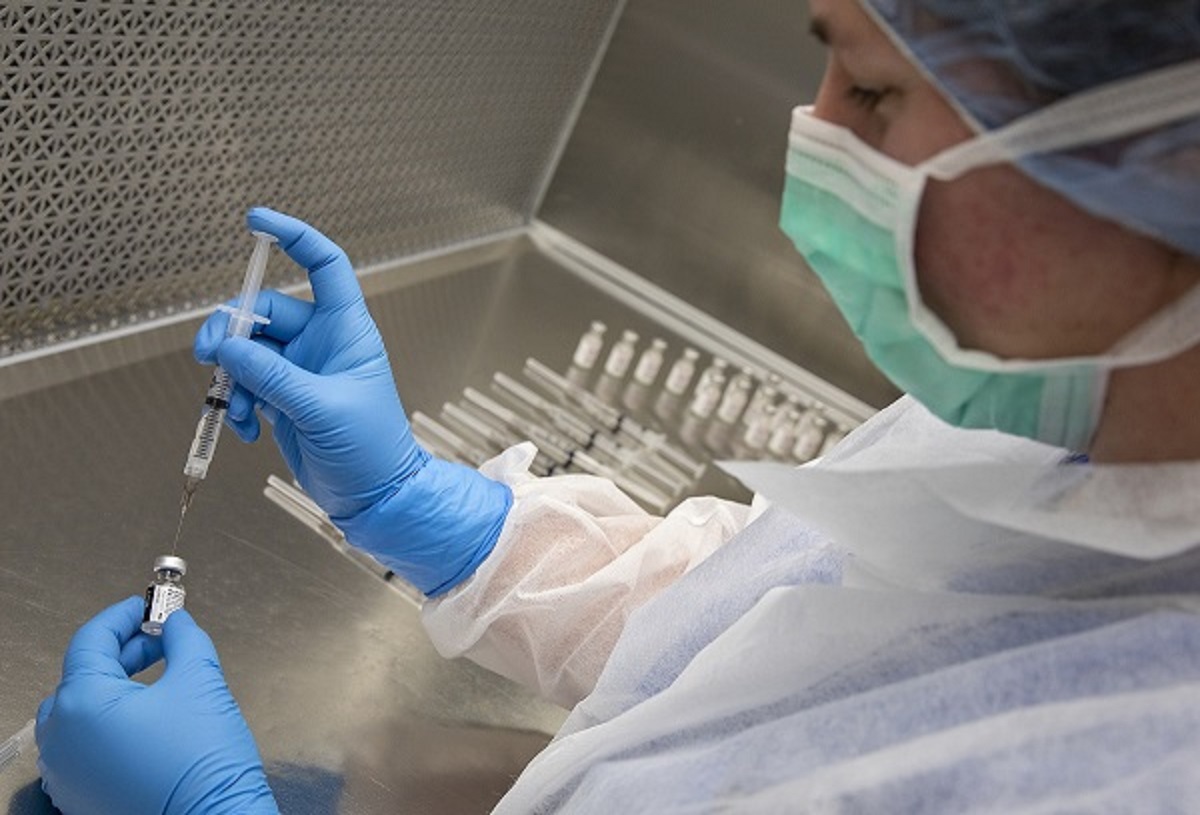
[[867, 98]]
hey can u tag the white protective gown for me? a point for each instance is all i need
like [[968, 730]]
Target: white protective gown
[[927, 620]]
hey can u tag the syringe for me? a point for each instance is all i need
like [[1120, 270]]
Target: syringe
[[20, 743], [216, 401]]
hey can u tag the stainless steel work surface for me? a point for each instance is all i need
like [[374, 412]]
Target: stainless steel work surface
[[353, 709]]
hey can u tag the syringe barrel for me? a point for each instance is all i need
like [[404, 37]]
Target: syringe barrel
[[208, 430], [241, 322], [216, 401], [20, 743]]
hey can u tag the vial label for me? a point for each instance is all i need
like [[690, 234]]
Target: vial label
[[588, 351], [647, 368], [161, 601], [789, 414], [679, 378], [757, 433], [706, 398], [762, 397], [782, 439], [619, 359], [734, 402]]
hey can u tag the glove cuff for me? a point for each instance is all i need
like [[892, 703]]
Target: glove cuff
[[437, 528]]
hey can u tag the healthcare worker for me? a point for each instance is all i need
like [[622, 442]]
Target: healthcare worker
[[984, 599]]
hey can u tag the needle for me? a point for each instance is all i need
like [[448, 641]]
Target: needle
[[189, 492]]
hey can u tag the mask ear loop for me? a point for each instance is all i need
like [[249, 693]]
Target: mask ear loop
[[1170, 332], [1166, 334], [1108, 112]]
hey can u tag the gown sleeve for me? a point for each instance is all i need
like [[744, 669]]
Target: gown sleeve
[[576, 557]]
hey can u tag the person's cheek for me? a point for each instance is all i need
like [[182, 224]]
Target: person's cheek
[[969, 262]]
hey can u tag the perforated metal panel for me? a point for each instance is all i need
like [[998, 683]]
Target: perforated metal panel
[[134, 135]]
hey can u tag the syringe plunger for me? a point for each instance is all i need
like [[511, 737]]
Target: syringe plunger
[[242, 320]]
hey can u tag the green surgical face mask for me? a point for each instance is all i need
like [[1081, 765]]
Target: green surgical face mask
[[852, 213]]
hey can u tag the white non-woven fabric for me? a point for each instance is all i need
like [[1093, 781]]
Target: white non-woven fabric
[[804, 663], [575, 559]]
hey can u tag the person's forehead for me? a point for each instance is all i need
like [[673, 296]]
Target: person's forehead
[[840, 22], [854, 35]]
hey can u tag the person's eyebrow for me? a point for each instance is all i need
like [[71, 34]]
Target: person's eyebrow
[[820, 30]]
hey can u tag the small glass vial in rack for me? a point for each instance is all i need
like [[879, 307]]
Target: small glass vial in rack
[[736, 397], [765, 395], [810, 436], [650, 363], [679, 378], [718, 366], [758, 431], [621, 355], [166, 594], [590, 345], [709, 391], [783, 435]]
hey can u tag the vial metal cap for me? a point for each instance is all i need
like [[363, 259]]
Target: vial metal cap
[[175, 564]]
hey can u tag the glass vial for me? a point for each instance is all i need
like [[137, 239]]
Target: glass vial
[[708, 393], [621, 355], [810, 436], [650, 363], [165, 594], [737, 396], [758, 431], [717, 366], [765, 395], [783, 436], [590, 344], [792, 406], [680, 376]]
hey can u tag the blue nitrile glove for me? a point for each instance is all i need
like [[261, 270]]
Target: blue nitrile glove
[[320, 374], [109, 744]]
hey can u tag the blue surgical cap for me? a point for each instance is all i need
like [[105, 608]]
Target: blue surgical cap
[[997, 60]]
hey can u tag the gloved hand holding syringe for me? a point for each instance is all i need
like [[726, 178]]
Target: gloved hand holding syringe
[[216, 402]]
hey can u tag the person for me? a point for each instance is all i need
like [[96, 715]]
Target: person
[[986, 598]]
